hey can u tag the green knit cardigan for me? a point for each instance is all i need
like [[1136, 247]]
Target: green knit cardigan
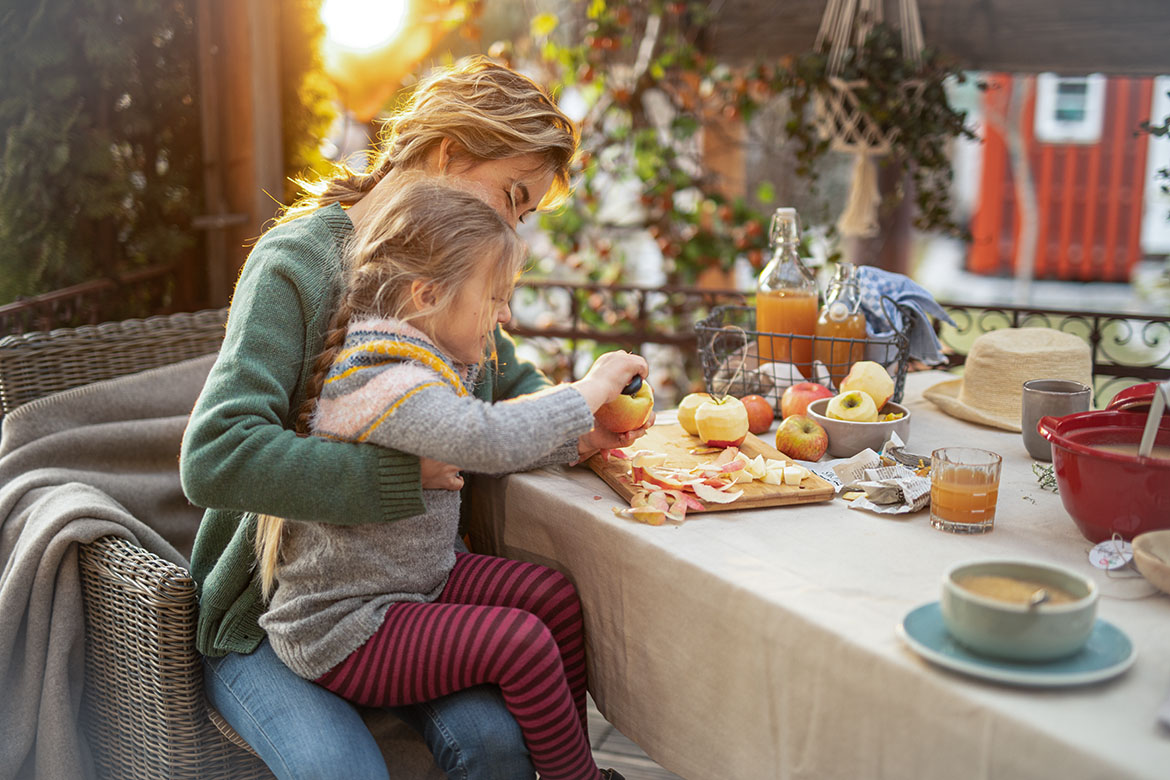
[[240, 455]]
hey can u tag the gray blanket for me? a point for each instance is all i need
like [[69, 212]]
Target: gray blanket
[[98, 460]]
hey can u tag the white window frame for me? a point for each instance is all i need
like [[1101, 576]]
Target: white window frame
[[1155, 203], [1053, 130]]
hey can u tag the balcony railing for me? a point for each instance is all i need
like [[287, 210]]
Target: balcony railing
[[1126, 348], [138, 293]]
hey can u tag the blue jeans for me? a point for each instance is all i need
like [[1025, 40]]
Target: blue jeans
[[302, 731]]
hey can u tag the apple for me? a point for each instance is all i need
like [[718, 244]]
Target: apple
[[872, 378], [627, 412], [854, 406], [686, 410], [800, 437], [723, 422], [797, 397], [759, 413]]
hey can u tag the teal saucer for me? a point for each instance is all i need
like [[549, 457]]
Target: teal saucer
[[1108, 653]]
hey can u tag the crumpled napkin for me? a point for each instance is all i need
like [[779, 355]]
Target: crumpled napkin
[[876, 284]]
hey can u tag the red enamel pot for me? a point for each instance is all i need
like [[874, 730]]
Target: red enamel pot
[[1136, 398], [1104, 485]]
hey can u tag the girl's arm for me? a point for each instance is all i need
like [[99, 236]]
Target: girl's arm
[[507, 436], [515, 377], [482, 437], [237, 452]]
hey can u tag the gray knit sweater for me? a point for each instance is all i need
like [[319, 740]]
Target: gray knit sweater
[[391, 386]]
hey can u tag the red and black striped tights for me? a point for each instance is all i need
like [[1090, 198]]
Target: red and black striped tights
[[515, 625]]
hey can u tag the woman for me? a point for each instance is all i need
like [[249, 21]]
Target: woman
[[496, 131]]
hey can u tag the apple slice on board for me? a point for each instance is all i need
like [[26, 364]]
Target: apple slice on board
[[684, 452]]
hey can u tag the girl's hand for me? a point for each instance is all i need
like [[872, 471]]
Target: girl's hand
[[436, 475], [601, 439], [608, 375]]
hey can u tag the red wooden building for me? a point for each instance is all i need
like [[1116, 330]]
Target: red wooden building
[[1088, 166]]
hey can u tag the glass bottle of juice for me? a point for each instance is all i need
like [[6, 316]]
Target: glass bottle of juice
[[786, 298], [841, 319]]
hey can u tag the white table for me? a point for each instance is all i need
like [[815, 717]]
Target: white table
[[761, 643]]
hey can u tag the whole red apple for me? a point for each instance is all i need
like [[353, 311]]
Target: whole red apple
[[798, 396], [800, 437], [627, 412], [759, 413]]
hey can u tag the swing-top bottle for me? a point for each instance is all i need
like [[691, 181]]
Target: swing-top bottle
[[786, 299], [840, 327]]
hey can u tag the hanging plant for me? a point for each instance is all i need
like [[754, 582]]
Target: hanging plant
[[874, 100]]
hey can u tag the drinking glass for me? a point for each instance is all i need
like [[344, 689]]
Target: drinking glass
[[1049, 398], [964, 484]]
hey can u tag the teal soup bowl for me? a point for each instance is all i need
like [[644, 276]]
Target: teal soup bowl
[[1018, 609]]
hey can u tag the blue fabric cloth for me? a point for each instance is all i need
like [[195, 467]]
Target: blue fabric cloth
[[877, 285]]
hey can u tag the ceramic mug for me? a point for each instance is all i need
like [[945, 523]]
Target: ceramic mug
[[1049, 398]]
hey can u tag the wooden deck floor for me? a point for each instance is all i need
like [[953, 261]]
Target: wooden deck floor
[[612, 749]]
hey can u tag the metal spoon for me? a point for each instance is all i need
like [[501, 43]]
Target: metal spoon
[[1154, 419], [1038, 598]]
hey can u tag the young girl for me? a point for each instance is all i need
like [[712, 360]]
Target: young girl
[[388, 614]]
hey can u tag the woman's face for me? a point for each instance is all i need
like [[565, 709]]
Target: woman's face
[[513, 186]]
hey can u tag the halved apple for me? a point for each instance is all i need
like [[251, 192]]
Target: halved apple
[[854, 406], [686, 410], [872, 378]]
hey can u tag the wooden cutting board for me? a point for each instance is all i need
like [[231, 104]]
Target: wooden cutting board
[[677, 444]]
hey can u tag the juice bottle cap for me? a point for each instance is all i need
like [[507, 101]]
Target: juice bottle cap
[[785, 226]]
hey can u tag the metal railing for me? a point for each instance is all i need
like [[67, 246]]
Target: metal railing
[[1126, 348], [139, 293]]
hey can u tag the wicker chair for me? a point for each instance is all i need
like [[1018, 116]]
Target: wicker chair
[[144, 711]]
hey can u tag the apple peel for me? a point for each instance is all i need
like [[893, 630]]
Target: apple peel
[[714, 495], [642, 514]]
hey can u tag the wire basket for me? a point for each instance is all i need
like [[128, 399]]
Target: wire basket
[[729, 351]]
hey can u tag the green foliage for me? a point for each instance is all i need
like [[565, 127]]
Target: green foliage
[[656, 98], [641, 132], [1160, 131], [99, 168], [908, 102]]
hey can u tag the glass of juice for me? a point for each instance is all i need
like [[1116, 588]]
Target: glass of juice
[[964, 484]]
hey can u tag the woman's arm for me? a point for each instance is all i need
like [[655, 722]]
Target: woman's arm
[[237, 451], [514, 376]]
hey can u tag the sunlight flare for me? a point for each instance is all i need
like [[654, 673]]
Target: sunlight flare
[[362, 24]]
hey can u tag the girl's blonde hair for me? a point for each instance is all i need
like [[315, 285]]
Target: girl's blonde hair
[[427, 230], [489, 111]]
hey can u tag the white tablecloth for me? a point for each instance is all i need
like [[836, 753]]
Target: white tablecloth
[[762, 643]]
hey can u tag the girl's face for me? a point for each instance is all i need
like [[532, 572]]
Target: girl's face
[[513, 186], [463, 331]]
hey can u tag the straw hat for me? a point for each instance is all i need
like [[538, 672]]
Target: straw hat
[[997, 366]]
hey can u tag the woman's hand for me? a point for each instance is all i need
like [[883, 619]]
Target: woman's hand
[[436, 475]]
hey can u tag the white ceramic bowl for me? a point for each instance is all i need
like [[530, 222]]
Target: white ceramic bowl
[[1016, 630], [1151, 555], [849, 438]]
